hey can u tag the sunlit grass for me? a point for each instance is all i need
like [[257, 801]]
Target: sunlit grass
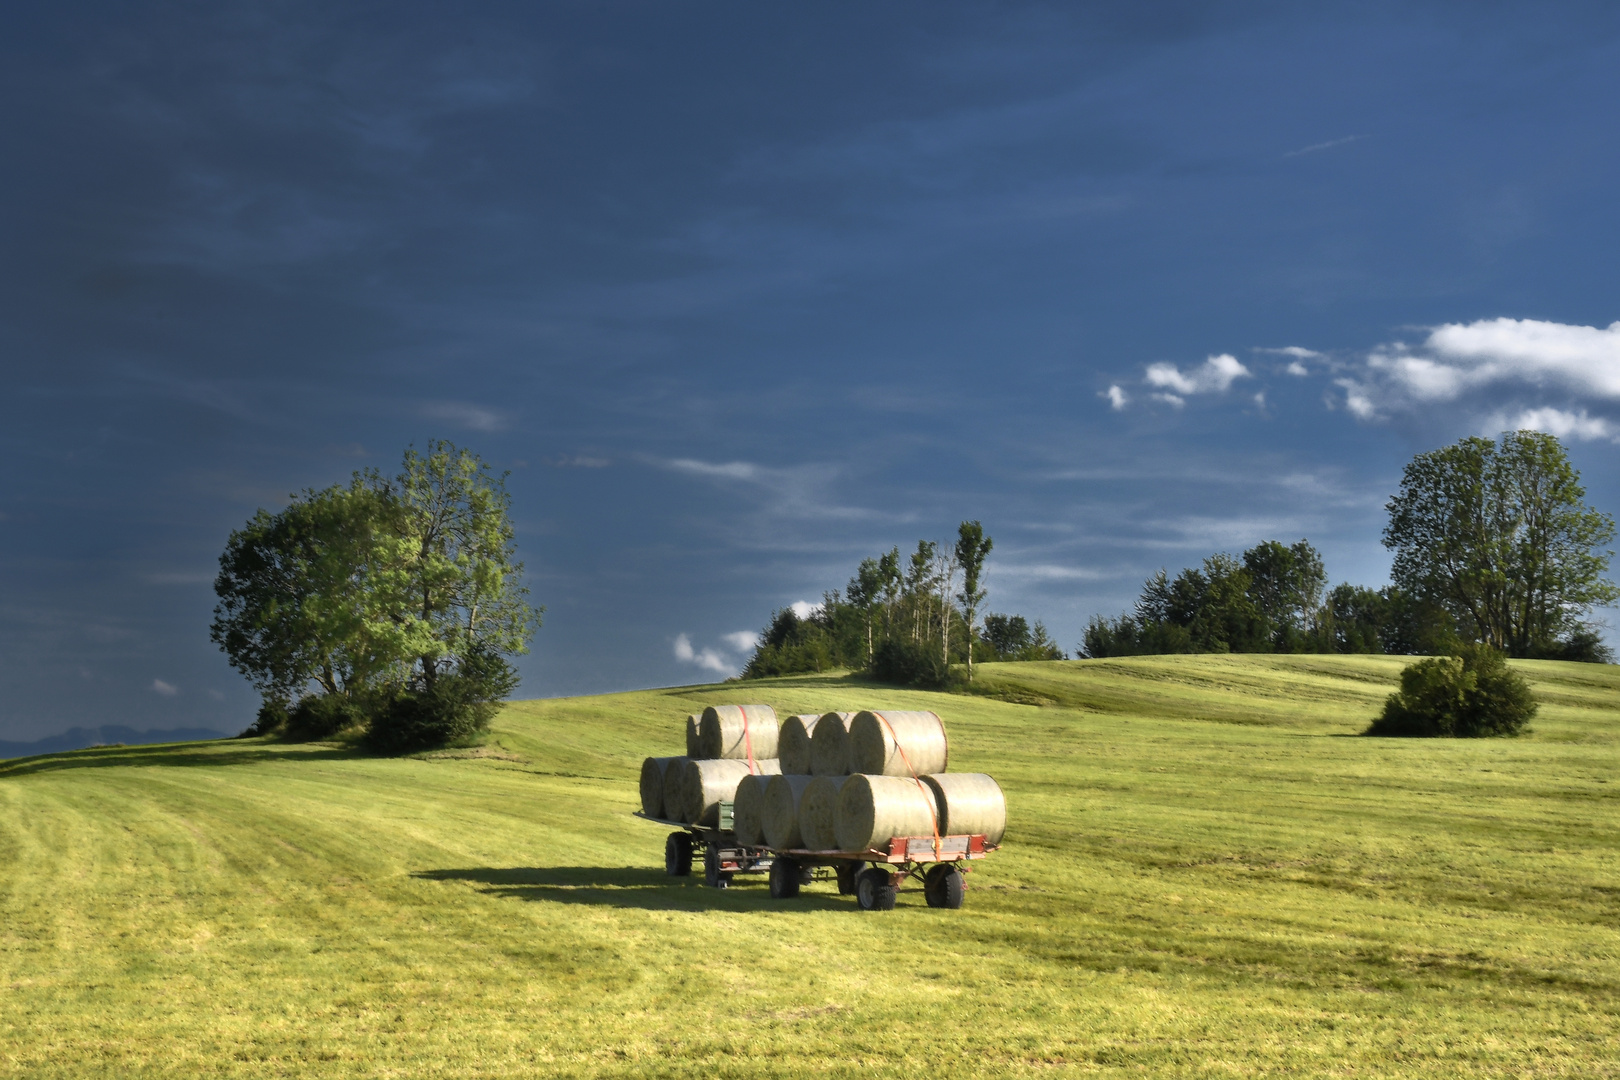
[[1205, 874]]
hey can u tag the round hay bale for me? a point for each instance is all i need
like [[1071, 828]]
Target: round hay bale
[[829, 745], [705, 784], [969, 803], [780, 819], [872, 810], [793, 744], [748, 811], [897, 744], [693, 749], [739, 732], [818, 813], [674, 788], [652, 785]]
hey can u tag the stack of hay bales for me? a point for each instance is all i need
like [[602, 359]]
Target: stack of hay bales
[[846, 782], [725, 744]]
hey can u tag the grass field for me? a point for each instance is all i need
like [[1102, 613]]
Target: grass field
[[1204, 876]]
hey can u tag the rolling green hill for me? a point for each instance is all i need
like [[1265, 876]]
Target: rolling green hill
[[1205, 875]]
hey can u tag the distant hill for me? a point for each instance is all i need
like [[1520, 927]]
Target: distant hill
[[78, 738]]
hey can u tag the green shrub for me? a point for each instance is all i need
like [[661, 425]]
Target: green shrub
[[271, 720], [1472, 695], [454, 710], [907, 663], [321, 716]]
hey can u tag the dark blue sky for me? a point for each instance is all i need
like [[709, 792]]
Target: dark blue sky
[[742, 293]]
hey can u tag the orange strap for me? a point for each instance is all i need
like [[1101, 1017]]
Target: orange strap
[[748, 742], [932, 815]]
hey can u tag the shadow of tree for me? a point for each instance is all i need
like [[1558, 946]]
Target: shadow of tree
[[220, 752], [634, 887]]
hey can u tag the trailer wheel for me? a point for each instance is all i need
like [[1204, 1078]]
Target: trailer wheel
[[873, 890], [943, 886], [847, 873], [713, 876], [678, 855], [784, 878]]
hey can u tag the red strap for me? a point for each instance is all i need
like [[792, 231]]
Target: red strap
[[932, 815], [748, 743]]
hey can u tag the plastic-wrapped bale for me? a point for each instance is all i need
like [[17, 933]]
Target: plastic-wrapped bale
[[897, 744], [738, 732], [872, 810], [748, 810], [780, 819], [652, 785], [818, 813], [829, 745], [969, 803], [693, 749], [793, 746], [675, 788]]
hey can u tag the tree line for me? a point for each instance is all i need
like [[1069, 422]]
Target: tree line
[[1492, 545], [904, 621], [387, 606]]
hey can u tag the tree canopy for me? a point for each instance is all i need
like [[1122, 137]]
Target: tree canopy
[[1497, 535], [379, 589]]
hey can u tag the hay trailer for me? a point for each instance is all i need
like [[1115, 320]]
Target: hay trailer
[[873, 877], [876, 876], [722, 855]]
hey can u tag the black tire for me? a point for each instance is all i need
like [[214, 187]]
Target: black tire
[[784, 878], [713, 876], [847, 873], [943, 886], [873, 891], [678, 855]]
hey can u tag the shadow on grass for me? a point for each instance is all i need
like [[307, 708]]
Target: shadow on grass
[[635, 887], [218, 752]]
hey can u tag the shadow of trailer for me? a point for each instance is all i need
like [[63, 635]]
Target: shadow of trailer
[[874, 876]]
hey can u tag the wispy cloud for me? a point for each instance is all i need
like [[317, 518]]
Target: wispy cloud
[[1117, 398], [164, 688], [742, 641], [1576, 424], [463, 415], [1318, 147], [1214, 376]]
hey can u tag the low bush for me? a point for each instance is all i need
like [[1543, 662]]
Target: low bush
[[904, 662], [321, 716], [454, 709], [1472, 695]]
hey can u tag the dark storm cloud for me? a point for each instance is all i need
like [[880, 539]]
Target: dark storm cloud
[[742, 294]]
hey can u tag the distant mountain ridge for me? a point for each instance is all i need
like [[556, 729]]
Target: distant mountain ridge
[[79, 738]]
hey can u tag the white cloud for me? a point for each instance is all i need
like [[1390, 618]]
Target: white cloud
[[730, 470], [1214, 375], [166, 689], [1117, 398], [1565, 425], [1170, 399], [804, 608], [707, 659], [1296, 368], [463, 415], [743, 640]]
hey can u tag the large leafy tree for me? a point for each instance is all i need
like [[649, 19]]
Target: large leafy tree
[[455, 550], [315, 593], [378, 584], [1499, 537]]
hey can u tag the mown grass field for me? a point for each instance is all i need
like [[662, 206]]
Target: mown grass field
[[1205, 875]]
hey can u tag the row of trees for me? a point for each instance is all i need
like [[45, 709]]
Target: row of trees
[[905, 621], [1492, 543], [388, 605]]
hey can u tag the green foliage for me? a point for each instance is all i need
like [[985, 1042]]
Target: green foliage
[[1498, 537], [321, 716], [791, 645], [373, 590], [1472, 695], [972, 547], [902, 661], [1010, 637], [453, 710]]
